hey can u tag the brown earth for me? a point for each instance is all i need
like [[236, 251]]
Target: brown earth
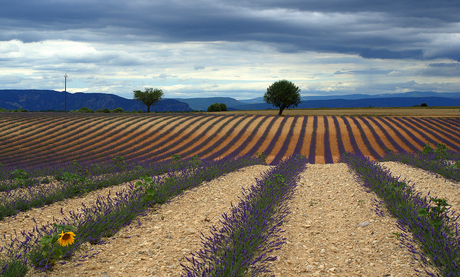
[[306, 140], [333, 144]]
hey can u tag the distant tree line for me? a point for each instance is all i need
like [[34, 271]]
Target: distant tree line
[[13, 111], [88, 110], [117, 110]]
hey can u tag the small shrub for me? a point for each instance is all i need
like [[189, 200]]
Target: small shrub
[[19, 174], [217, 107], [85, 110]]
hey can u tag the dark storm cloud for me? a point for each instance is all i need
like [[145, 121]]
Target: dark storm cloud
[[371, 71], [441, 69], [445, 10], [387, 29]]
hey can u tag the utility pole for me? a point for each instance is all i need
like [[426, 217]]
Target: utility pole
[[65, 94]]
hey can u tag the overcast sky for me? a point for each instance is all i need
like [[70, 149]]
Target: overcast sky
[[231, 48]]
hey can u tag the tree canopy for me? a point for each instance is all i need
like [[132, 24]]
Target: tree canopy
[[149, 97], [217, 107], [282, 94]]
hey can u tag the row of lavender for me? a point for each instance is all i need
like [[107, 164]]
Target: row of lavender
[[439, 160], [242, 246], [145, 150], [107, 216], [377, 134], [429, 229], [22, 192], [90, 140]]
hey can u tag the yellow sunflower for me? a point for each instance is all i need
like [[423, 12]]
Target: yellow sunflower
[[66, 238]]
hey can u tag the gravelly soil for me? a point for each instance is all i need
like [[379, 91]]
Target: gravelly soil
[[323, 233]]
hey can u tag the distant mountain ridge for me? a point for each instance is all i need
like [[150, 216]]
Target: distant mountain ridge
[[455, 95], [407, 99], [38, 100], [367, 102], [203, 103]]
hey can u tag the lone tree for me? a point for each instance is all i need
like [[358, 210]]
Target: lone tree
[[149, 97], [282, 94]]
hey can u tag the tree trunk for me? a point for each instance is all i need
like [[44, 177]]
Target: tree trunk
[[148, 109], [281, 110]]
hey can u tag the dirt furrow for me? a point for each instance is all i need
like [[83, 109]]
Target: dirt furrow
[[319, 153], [324, 233], [333, 140], [306, 140]]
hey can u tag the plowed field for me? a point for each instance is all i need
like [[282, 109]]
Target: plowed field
[[47, 138]]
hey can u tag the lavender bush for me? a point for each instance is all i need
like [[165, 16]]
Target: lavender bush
[[72, 185], [338, 136], [298, 147], [440, 160], [432, 226], [312, 152], [241, 247], [282, 152], [108, 215], [327, 144]]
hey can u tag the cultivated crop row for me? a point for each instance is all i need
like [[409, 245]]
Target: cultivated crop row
[[429, 228], [61, 138], [44, 246], [439, 160], [242, 245]]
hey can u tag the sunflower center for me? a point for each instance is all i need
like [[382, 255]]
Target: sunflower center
[[66, 237]]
